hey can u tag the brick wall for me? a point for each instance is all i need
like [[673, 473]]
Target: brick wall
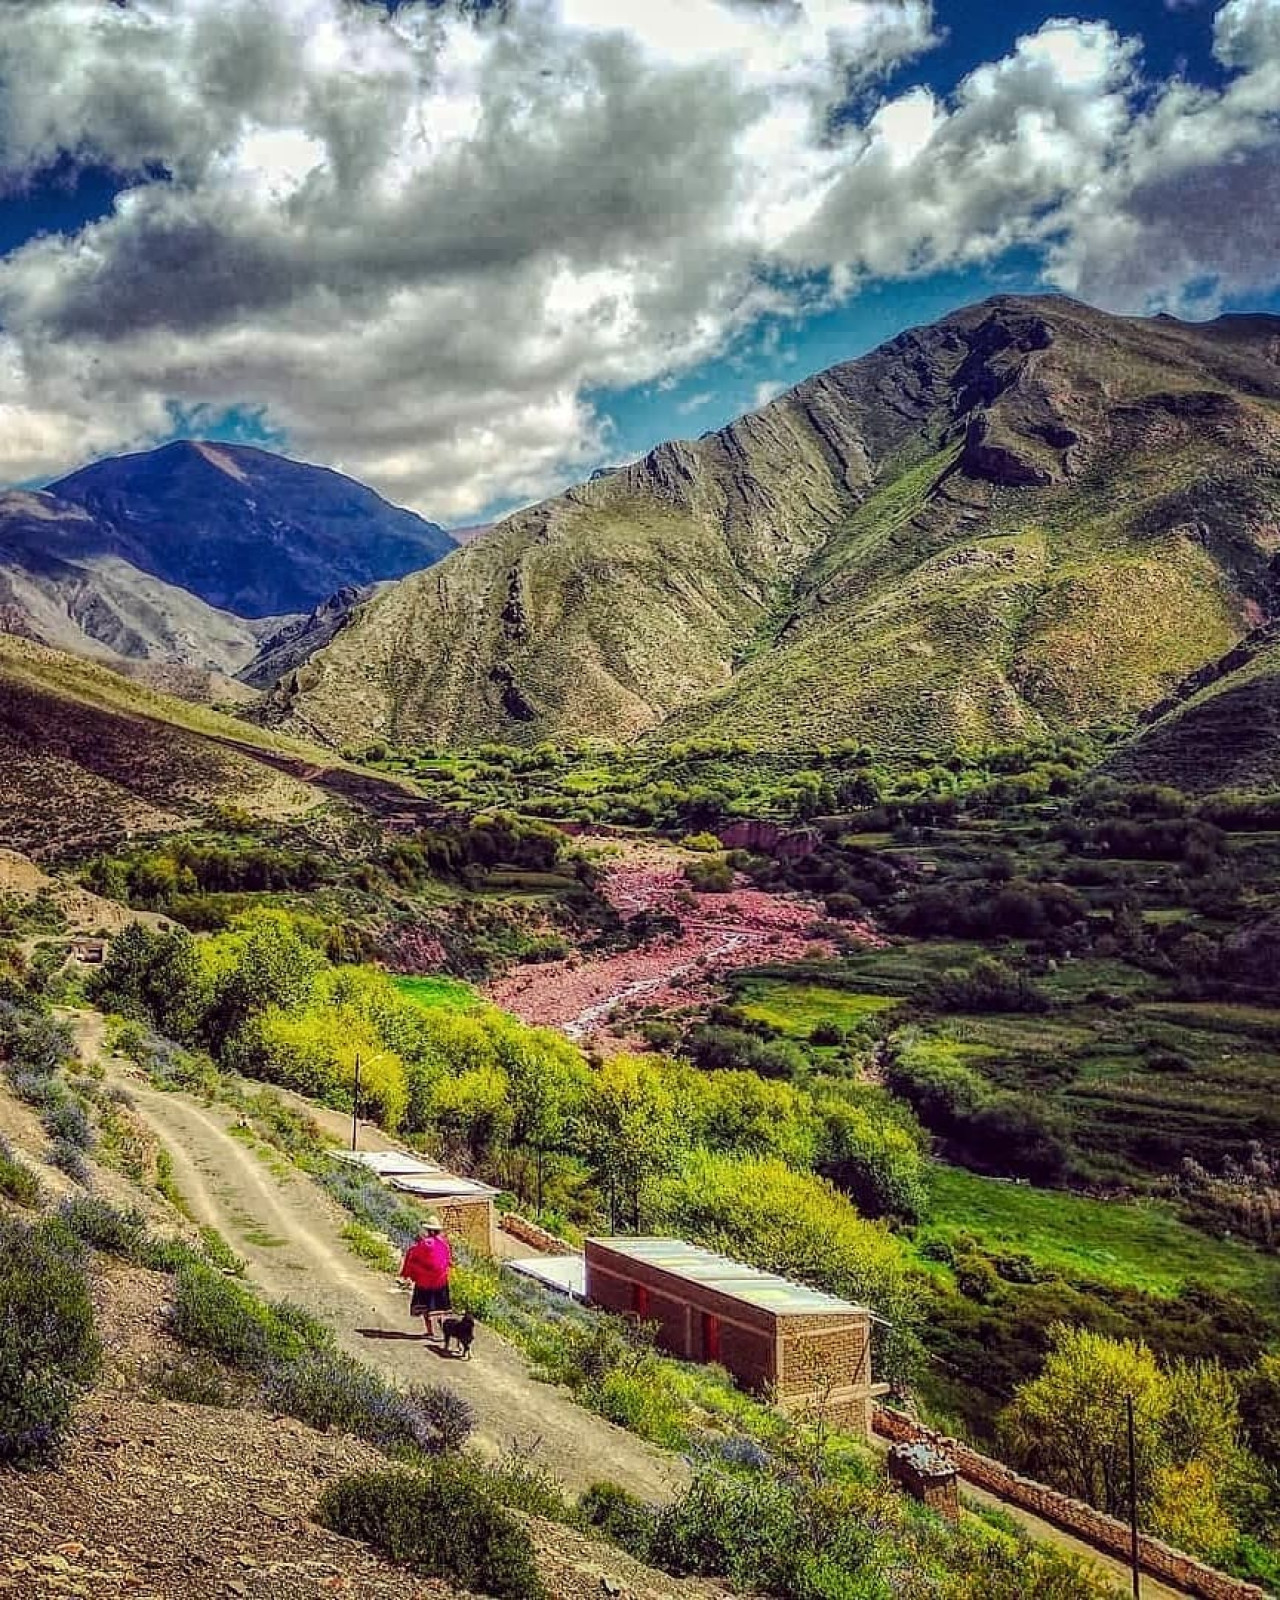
[[818, 1352], [1103, 1532], [471, 1223]]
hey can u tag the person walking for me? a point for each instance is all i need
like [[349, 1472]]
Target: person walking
[[426, 1265]]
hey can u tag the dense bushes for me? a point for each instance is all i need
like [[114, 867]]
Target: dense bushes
[[986, 985], [186, 868], [219, 1316], [329, 1390], [984, 910], [718, 1048], [49, 1351], [988, 1128], [443, 1522], [805, 1536]]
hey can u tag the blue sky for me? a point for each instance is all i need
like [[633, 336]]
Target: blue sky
[[469, 260]]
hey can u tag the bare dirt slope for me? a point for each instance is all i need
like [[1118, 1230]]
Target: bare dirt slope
[[289, 1232], [159, 1501]]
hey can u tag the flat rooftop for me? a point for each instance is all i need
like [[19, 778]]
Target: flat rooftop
[[767, 1290], [444, 1186], [564, 1274], [388, 1163]]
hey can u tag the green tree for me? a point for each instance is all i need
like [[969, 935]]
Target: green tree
[[1069, 1427], [547, 1083], [631, 1131]]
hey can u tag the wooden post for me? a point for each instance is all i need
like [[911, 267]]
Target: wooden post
[[355, 1104], [1133, 1500]]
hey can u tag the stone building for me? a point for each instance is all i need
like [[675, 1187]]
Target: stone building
[[928, 1475], [464, 1205], [809, 1351]]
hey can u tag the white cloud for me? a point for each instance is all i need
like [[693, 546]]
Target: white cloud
[[419, 241]]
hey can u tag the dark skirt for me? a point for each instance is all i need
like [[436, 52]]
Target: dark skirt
[[426, 1301]]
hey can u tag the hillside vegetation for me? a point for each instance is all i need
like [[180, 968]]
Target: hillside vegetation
[[1221, 731], [1029, 516], [87, 756]]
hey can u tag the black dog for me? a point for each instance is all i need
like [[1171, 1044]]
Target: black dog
[[462, 1330]]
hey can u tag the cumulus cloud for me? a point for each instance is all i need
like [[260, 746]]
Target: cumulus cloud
[[419, 241]]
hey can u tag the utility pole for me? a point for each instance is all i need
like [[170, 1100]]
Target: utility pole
[[355, 1104], [1133, 1500]]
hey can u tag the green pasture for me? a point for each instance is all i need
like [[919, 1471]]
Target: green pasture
[[798, 1008], [433, 992], [1140, 1245]]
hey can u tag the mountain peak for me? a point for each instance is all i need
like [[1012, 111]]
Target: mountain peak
[[246, 530]]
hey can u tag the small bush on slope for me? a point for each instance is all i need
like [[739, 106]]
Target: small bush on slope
[[326, 1389], [17, 1183], [49, 1351], [847, 1540], [69, 1158], [223, 1318], [444, 1522]]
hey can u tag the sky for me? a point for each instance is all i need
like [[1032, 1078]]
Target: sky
[[469, 250]]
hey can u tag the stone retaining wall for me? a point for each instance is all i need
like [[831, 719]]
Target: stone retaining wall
[[1073, 1516], [531, 1234]]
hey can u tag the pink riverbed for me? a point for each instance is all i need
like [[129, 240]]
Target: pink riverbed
[[718, 933]]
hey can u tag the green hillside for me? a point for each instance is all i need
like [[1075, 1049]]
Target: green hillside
[[1224, 734], [89, 756], [1026, 517]]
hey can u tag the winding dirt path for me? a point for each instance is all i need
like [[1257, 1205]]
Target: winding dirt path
[[289, 1232]]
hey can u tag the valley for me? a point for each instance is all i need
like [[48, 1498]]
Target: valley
[[849, 842]]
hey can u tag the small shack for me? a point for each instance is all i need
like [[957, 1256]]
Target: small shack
[[927, 1475], [811, 1351], [466, 1206]]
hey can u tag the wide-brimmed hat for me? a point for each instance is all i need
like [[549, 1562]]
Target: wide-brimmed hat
[[432, 1222]]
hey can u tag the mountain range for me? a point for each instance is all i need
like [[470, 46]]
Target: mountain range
[[1029, 515], [198, 555]]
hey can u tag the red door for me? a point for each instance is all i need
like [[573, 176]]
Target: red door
[[710, 1337], [640, 1301]]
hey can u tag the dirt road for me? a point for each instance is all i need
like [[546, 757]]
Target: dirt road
[[289, 1232]]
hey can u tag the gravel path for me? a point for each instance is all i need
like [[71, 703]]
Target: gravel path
[[289, 1233]]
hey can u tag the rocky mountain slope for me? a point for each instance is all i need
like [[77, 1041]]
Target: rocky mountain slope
[[1029, 514], [61, 585], [88, 757], [296, 640], [1221, 727], [245, 530]]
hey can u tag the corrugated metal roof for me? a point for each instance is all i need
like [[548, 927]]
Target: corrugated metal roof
[[767, 1290], [388, 1163], [444, 1186]]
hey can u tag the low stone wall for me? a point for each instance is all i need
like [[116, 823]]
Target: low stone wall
[[1073, 1516], [531, 1234]]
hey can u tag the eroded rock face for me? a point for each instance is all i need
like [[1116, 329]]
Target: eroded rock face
[[993, 453]]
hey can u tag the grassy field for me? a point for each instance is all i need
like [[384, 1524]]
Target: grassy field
[[1141, 1246], [797, 1008], [431, 992]]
